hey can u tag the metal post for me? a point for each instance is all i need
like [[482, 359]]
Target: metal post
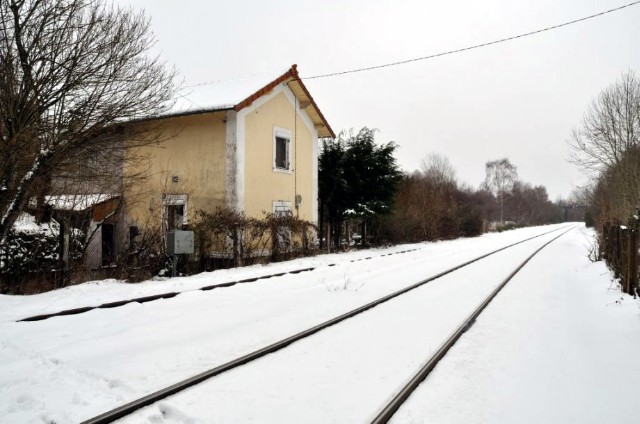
[[63, 253], [632, 256], [633, 261], [624, 259], [328, 237], [174, 266], [606, 237], [61, 266], [65, 256], [618, 252]]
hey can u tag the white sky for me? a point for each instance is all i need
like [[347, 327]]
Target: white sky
[[518, 99]]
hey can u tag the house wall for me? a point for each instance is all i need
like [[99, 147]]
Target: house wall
[[195, 152], [104, 212], [261, 185], [226, 159], [91, 172]]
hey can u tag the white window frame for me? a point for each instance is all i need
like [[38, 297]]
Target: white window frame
[[174, 200], [286, 134]]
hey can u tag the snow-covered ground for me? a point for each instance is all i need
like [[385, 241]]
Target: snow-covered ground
[[560, 344], [66, 369], [95, 293]]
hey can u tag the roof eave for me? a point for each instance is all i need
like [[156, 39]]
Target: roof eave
[[184, 113], [294, 70], [291, 74]]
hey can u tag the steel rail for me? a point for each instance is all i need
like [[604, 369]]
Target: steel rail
[[124, 410], [392, 407], [158, 296], [168, 295]]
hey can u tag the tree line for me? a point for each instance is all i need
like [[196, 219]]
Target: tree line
[[365, 197]]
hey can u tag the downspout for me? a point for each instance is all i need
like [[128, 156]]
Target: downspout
[[295, 155]]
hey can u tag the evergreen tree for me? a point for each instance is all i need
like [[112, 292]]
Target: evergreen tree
[[332, 187], [357, 179]]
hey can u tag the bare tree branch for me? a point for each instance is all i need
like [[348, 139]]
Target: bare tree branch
[[72, 73]]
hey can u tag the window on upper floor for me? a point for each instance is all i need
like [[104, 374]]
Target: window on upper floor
[[281, 150]]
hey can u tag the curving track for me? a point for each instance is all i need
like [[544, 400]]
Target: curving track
[[459, 276], [401, 397]]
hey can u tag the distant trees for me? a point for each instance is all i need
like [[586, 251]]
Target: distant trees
[[71, 71], [530, 205], [429, 205], [357, 180], [607, 146], [518, 202], [576, 207], [501, 176], [437, 194]]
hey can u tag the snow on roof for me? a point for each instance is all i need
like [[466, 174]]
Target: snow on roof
[[26, 224], [241, 92], [220, 95], [76, 202]]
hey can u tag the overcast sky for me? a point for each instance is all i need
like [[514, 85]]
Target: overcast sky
[[518, 99]]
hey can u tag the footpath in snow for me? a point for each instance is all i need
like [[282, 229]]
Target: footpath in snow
[[563, 317]]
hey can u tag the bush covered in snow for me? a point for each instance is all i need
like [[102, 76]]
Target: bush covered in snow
[[28, 253], [30, 247]]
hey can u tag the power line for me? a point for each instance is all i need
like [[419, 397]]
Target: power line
[[476, 46]]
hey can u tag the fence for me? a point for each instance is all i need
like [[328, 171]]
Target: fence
[[619, 248]]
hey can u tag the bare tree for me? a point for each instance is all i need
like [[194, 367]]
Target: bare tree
[[438, 169], [607, 146], [71, 73], [530, 205], [430, 205], [438, 186], [610, 126], [500, 177]]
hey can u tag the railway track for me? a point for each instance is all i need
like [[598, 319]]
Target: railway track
[[135, 405], [396, 402], [169, 295]]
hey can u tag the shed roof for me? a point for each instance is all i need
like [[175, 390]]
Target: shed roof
[[238, 93], [76, 202]]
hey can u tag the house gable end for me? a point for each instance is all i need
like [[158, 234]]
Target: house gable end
[[302, 176]]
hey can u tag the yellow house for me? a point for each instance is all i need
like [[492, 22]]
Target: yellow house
[[248, 144]]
